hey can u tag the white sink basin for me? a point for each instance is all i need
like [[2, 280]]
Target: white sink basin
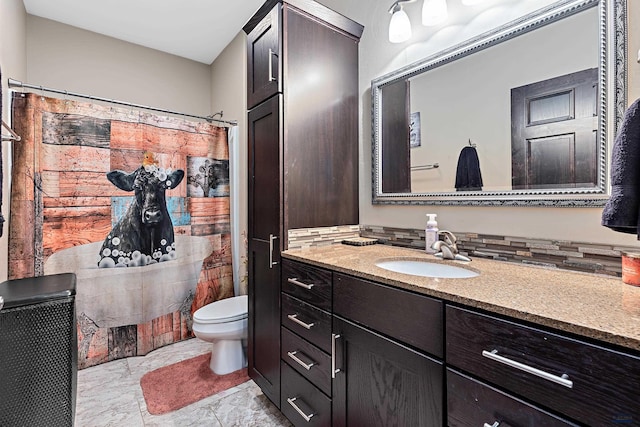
[[427, 269]]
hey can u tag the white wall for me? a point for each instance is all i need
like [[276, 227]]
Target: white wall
[[379, 57]]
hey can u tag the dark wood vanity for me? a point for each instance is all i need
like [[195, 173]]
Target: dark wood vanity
[[361, 353]]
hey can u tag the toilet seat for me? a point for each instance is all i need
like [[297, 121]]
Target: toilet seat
[[223, 311]]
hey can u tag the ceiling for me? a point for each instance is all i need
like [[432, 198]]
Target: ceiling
[[195, 29]]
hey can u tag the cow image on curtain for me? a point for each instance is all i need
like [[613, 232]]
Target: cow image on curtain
[[144, 235], [100, 185]]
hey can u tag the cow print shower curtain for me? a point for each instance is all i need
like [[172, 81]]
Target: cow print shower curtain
[[136, 204]]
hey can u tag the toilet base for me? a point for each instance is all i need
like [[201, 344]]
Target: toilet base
[[227, 356]]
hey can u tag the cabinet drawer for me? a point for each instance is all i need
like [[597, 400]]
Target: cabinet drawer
[[308, 283], [470, 403], [307, 359], [409, 318], [600, 386], [302, 403], [309, 322]]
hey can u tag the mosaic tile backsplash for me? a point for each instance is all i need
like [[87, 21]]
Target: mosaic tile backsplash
[[321, 236], [563, 254]]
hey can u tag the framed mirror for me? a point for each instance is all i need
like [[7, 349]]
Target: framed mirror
[[524, 114]]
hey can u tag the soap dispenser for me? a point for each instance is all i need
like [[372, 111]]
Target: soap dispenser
[[431, 233]]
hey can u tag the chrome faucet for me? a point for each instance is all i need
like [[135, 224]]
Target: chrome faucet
[[447, 248]]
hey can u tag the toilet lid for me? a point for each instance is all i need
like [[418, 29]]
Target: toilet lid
[[225, 310]]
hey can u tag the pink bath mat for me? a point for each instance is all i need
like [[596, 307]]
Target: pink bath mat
[[180, 384]]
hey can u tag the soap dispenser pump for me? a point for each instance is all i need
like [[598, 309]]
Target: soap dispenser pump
[[431, 233]]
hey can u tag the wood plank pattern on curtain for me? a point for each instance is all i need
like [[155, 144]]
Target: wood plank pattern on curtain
[[61, 199]]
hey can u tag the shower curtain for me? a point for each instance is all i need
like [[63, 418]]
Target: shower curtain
[[77, 174]]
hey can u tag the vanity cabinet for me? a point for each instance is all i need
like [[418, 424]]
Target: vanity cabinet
[[395, 357], [387, 366], [302, 80], [306, 344], [582, 381]]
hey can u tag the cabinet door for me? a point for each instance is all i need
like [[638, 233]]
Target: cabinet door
[[320, 90], [382, 383], [263, 59], [264, 243]]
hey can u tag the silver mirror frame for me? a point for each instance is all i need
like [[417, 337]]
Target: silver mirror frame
[[612, 105]]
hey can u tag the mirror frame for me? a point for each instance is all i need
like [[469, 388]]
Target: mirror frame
[[612, 100]]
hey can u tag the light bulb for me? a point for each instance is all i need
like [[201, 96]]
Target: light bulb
[[399, 27], [434, 12]]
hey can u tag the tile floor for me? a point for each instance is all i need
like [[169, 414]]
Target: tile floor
[[110, 395]]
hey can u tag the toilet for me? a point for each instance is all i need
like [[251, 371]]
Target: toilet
[[224, 323]]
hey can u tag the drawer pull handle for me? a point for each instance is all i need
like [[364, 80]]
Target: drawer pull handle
[[271, 54], [295, 281], [562, 380], [496, 424], [292, 354], [334, 371], [294, 318], [306, 417], [271, 261]]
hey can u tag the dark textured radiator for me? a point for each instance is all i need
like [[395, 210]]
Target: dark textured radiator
[[38, 352]]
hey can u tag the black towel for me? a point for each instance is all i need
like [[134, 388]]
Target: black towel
[[622, 209], [468, 176]]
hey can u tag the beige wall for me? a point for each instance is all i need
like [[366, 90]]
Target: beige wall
[[68, 58], [378, 57], [229, 86], [13, 59]]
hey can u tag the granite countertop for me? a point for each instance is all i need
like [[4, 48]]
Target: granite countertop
[[590, 305]]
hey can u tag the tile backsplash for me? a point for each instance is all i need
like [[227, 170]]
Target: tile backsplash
[[564, 254], [321, 236]]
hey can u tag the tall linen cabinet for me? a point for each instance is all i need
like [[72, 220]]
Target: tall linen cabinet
[[302, 97]]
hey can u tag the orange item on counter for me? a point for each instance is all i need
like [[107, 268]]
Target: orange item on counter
[[631, 268]]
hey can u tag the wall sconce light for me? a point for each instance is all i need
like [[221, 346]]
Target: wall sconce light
[[434, 12], [400, 26]]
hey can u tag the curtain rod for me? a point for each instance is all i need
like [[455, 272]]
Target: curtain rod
[[16, 83]]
